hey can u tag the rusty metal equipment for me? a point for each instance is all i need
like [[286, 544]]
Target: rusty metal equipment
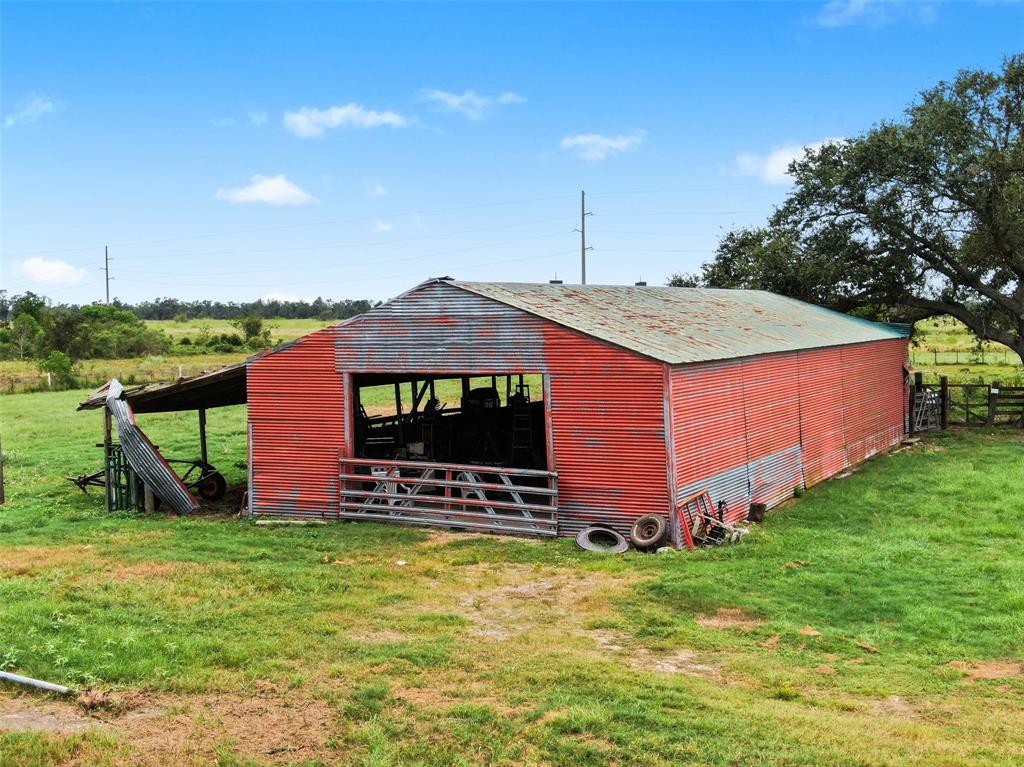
[[126, 488]]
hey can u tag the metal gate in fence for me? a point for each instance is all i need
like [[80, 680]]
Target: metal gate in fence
[[973, 404], [467, 496]]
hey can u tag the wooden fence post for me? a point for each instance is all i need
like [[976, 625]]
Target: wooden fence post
[[993, 401], [944, 398]]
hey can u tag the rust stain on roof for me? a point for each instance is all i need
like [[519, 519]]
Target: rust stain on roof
[[681, 325]]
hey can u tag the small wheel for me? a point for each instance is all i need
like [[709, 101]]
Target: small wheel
[[601, 540], [649, 531], [213, 487]]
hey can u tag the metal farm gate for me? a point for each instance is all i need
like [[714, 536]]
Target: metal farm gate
[[490, 498]]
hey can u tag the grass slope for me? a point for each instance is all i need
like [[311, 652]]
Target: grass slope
[[825, 638]]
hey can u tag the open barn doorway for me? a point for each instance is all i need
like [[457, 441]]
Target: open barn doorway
[[464, 451], [493, 420]]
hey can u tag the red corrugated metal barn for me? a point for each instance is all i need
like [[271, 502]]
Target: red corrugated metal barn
[[569, 405]]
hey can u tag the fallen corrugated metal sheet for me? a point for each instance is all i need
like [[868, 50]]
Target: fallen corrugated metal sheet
[[143, 456], [680, 325]]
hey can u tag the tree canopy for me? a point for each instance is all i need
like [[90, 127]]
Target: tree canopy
[[914, 218]]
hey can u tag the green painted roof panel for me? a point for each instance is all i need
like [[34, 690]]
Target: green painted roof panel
[[683, 325]]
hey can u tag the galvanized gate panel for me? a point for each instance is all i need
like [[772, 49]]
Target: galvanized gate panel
[[822, 429], [297, 423]]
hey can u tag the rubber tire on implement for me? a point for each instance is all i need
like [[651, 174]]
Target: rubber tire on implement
[[213, 487], [601, 540], [649, 531]]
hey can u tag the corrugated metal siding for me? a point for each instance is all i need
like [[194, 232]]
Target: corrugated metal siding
[[297, 427], [439, 327], [608, 427], [822, 407], [771, 393], [753, 430], [607, 405], [873, 395], [709, 432]]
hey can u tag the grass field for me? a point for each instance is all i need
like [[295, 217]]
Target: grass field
[[944, 346], [877, 620]]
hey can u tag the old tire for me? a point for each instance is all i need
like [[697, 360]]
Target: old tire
[[601, 540], [649, 531], [213, 487]]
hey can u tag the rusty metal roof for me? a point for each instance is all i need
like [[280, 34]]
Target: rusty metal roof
[[213, 388], [681, 325]]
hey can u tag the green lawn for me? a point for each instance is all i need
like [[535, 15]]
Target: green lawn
[[826, 638]]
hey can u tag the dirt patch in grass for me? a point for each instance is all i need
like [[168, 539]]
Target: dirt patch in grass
[[266, 724], [35, 560], [516, 600], [729, 618], [990, 669], [681, 661], [21, 714], [895, 706]]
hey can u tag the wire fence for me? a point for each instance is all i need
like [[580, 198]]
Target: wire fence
[[1003, 357]]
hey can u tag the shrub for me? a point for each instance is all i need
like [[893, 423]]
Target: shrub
[[60, 368]]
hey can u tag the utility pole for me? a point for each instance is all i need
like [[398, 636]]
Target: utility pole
[[583, 237], [106, 269]]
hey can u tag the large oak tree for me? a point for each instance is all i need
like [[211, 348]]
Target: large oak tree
[[914, 218]]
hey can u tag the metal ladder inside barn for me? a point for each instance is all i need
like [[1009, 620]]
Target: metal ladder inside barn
[[522, 422]]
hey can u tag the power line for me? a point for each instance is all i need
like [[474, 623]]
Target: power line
[[353, 279], [328, 246], [351, 264], [583, 237]]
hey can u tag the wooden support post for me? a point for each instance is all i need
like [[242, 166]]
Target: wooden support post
[[202, 435], [149, 500], [993, 401], [398, 412], [108, 477], [944, 397], [465, 389]]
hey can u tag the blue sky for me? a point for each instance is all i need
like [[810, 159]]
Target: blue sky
[[234, 151]]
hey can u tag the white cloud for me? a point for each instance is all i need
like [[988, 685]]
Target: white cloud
[[273, 190], [30, 110], [469, 104], [51, 272], [773, 168], [308, 122], [382, 226], [595, 146], [877, 13], [375, 189], [258, 118]]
